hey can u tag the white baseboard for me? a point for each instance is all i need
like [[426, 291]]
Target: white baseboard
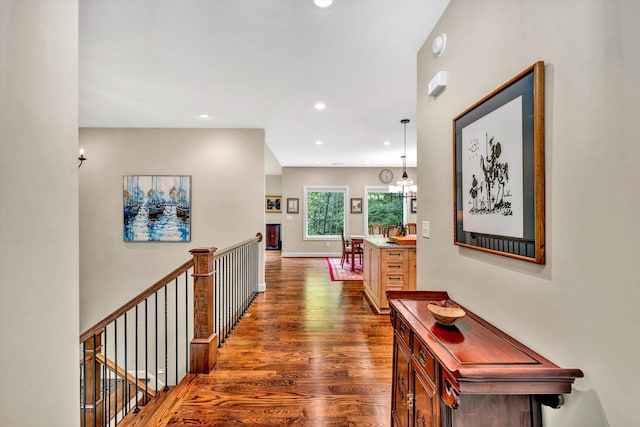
[[310, 254], [262, 287]]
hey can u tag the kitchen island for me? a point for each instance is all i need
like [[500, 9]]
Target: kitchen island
[[387, 267]]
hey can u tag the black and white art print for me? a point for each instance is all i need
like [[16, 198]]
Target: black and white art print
[[498, 170], [492, 172]]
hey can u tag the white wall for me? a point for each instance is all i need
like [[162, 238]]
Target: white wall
[[39, 356], [273, 187], [580, 309], [293, 182], [271, 164], [228, 182]]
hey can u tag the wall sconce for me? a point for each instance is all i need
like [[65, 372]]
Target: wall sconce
[[82, 158]]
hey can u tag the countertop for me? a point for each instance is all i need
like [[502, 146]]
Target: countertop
[[383, 243]]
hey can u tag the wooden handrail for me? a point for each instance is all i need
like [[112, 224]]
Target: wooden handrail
[[136, 300], [226, 250], [140, 384], [155, 287], [201, 350]]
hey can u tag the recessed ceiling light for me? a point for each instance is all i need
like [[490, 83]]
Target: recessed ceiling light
[[323, 3], [318, 142], [320, 106], [387, 143], [204, 116]]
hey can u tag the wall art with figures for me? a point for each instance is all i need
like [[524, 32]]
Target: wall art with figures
[[498, 148]]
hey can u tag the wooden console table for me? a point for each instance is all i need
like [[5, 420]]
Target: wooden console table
[[467, 374]]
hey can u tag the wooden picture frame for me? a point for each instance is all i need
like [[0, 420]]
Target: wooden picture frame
[[356, 205], [293, 205], [498, 170], [273, 204]]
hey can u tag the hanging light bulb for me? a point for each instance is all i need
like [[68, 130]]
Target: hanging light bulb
[[404, 180]]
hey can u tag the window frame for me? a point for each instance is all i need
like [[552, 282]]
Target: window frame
[[327, 188], [379, 189]]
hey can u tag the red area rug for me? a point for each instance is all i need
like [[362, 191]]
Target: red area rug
[[344, 273]]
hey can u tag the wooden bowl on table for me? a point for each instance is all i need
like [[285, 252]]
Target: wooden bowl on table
[[445, 315]]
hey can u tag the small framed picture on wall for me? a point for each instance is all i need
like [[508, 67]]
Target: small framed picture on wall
[[292, 205], [356, 206], [414, 205], [272, 204]]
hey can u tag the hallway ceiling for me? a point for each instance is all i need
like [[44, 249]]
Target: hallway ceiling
[[261, 64]]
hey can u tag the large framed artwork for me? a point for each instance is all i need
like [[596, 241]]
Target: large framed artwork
[[498, 181], [157, 208]]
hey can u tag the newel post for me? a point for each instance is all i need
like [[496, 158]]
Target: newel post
[[93, 402], [204, 345]]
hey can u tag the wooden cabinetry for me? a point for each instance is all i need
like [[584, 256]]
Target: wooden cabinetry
[[272, 238], [415, 400], [387, 267], [467, 374]]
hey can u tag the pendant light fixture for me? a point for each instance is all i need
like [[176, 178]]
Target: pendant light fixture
[[404, 180], [404, 186]]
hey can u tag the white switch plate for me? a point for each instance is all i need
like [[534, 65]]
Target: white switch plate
[[426, 229]]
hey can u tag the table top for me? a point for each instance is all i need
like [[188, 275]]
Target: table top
[[476, 352]]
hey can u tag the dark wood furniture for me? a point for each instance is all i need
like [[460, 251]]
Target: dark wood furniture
[[355, 247], [467, 374], [272, 238]]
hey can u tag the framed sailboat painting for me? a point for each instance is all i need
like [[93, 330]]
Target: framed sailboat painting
[[156, 208]]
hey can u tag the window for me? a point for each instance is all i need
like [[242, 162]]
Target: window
[[383, 207], [324, 212]]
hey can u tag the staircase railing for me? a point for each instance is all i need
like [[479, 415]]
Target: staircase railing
[[147, 345], [236, 285]]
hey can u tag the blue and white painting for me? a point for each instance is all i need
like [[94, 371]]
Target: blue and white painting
[[157, 208]]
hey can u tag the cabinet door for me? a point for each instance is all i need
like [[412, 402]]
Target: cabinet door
[[401, 375], [425, 406], [273, 236]]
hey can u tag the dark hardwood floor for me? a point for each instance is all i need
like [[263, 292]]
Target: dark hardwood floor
[[309, 352]]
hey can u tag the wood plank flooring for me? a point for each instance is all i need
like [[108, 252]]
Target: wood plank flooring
[[309, 352]]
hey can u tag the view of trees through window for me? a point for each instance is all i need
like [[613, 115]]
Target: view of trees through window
[[384, 208], [325, 213]]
